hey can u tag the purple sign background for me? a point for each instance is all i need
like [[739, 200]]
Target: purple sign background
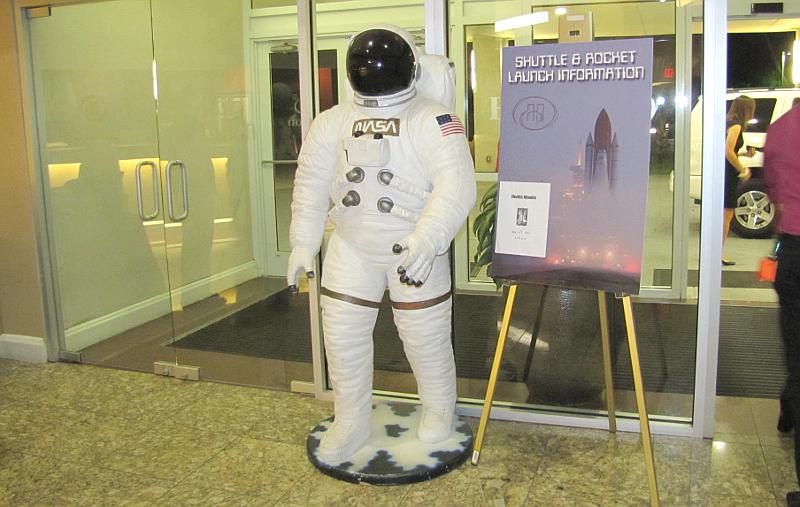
[[577, 116]]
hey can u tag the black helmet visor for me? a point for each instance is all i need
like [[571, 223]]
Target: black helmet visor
[[379, 62]]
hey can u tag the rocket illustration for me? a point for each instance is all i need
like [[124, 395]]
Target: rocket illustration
[[601, 153]]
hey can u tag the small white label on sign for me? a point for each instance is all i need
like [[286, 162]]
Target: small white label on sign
[[523, 213]]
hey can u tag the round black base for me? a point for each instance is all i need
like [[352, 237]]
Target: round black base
[[394, 454]]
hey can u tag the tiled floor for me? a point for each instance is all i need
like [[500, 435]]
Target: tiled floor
[[82, 435]]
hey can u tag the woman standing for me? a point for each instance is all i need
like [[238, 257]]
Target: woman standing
[[741, 112]]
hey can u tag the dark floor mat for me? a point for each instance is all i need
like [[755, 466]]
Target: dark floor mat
[[278, 328], [751, 360], [566, 364], [730, 279]]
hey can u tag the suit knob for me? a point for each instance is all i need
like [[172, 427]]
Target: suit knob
[[351, 199]]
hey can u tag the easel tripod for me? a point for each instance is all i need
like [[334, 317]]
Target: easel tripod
[[647, 445]]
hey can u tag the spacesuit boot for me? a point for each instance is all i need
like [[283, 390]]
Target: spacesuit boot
[[348, 348], [426, 340]]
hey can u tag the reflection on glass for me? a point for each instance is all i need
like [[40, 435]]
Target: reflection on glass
[[144, 130], [202, 112], [483, 46], [97, 122], [286, 129]]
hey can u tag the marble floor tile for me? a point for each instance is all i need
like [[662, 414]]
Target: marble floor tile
[[672, 473], [735, 501], [66, 434], [289, 419], [605, 469], [784, 440], [542, 496], [22, 476], [9, 369], [81, 435], [211, 415], [255, 468], [320, 490], [199, 496], [233, 395], [460, 487], [765, 413], [505, 473], [170, 452], [729, 470], [781, 469], [737, 438], [510, 457], [131, 395], [734, 415], [74, 484]]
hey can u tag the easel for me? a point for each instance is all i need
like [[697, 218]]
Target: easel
[[647, 445]]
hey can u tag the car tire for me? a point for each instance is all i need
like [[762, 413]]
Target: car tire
[[754, 216]]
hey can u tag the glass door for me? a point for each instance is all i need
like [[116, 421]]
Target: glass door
[[93, 76], [233, 317], [203, 140], [155, 208], [280, 132]]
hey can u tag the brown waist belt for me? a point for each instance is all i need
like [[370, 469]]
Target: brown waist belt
[[416, 305]]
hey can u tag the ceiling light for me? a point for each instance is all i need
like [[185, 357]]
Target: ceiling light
[[531, 19]]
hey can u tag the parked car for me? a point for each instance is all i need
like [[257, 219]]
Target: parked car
[[754, 216]]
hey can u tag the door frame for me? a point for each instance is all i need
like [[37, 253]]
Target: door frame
[[270, 259]]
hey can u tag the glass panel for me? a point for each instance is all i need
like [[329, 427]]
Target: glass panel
[[96, 120], [483, 92], [482, 78], [553, 356], [286, 134], [287, 137], [231, 316], [751, 359], [763, 115]]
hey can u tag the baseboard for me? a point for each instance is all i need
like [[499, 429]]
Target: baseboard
[[96, 330], [30, 349]]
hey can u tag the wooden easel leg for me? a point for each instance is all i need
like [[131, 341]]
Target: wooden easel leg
[[498, 359], [604, 333], [647, 444]]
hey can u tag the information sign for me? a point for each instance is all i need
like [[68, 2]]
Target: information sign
[[574, 164]]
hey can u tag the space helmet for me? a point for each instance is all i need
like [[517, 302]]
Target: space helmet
[[381, 61]]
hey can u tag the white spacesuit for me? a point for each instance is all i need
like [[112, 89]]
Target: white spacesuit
[[398, 169]]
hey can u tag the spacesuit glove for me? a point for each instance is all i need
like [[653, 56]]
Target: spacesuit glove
[[301, 258], [418, 262]]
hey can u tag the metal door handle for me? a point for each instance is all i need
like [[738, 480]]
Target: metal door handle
[[184, 189], [139, 197]]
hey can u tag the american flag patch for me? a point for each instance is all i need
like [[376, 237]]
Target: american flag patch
[[450, 124]]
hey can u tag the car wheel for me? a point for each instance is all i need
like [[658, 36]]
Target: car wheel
[[754, 215]]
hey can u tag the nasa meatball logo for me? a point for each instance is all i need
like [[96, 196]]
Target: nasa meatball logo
[[535, 113]]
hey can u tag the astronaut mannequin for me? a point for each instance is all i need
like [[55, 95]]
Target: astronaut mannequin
[[397, 167]]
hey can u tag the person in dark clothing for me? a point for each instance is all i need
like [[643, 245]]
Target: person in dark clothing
[[740, 113], [782, 175]]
